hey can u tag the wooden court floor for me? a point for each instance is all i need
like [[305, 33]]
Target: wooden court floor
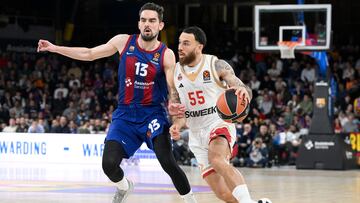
[[33, 183]]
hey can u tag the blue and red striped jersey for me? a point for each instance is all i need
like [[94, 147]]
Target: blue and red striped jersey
[[141, 75]]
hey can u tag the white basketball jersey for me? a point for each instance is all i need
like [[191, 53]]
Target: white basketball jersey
[[199, 92]]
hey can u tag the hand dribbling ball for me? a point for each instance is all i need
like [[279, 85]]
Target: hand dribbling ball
[[232, 108]]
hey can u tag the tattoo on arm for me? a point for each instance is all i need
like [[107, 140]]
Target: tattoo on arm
[[174, 95], [175, 98], [226, 73]]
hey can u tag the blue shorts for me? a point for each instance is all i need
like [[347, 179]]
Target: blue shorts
[[132, 127]]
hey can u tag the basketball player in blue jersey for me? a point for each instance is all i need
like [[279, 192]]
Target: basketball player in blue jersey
[[144, 72], [199, 79]]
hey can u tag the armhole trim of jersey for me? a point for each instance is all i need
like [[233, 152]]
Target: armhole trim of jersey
[[162, 54], [176, 72], [216, 76], [126, 46]]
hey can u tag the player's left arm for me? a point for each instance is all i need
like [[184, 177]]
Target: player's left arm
[[227, 74], [175, 107]]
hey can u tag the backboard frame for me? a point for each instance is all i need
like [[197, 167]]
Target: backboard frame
[[291, 7]]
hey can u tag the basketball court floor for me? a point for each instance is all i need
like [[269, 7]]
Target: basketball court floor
[[86, 183]]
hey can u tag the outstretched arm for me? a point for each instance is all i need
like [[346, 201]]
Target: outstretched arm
[[115, 44], [226, 73]]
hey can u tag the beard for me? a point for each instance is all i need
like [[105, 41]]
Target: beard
[[148, 38], [187, 59]]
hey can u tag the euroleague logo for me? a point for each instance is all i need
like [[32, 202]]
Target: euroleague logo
[[156, 57], [206, 76]]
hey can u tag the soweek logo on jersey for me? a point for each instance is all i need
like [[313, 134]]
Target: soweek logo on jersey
[[201, 112]]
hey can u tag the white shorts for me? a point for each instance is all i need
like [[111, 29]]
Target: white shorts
[[199, 141]]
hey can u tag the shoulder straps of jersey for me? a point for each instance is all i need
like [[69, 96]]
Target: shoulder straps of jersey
[[129, 41], [214, 72]]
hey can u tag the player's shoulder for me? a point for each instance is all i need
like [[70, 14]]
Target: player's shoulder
[[119, 41], [122, 37], [210, 60], [210, 57], [169, 59], [169, 54]]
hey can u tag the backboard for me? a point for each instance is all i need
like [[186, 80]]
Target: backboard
[[307, 24]]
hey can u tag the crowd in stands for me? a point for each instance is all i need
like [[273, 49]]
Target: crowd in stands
[[51, 94], [47, 93]]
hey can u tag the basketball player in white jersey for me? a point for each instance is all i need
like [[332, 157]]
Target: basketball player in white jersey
[[200, 79]]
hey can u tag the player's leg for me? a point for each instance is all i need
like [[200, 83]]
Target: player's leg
[[219, 154], [112, 157], [214, 180], [163, 150], [220, 188], [118, 145]]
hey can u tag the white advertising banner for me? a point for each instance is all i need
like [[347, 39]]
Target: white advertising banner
[[62, 148]]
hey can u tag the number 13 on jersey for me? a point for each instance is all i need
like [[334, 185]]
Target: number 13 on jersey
[[196, 97]]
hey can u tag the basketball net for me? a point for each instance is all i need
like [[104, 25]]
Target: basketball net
[[287, 49]]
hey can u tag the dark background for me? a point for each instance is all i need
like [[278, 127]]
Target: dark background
[[96, 21]]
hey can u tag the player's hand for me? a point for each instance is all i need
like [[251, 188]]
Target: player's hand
[[242, 91], [44, 45], [176, 109], [175, 131]]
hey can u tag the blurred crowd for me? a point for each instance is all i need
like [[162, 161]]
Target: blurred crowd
[[47, 93]]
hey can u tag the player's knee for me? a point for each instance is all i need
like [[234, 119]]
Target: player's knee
[[166, 163], [109, 165], [216, 160]]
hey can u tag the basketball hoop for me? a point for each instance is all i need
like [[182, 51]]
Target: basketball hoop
[[287, 49]]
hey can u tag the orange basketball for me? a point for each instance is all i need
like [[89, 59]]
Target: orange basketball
[[231, 108]]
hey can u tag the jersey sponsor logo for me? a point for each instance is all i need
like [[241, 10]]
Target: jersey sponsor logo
[[206, 76], [199, 113], [180, 77], [143, 85], [181, 85], [128, 82]]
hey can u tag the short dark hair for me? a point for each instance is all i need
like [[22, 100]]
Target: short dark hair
[[199, 34], [154, 7]]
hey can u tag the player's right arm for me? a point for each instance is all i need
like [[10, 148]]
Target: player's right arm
[[115, 44], [176, 109], [175, 129], [226, 73]]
